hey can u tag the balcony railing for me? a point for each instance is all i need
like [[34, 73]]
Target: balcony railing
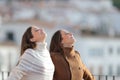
[[4, 75], [107, 77]]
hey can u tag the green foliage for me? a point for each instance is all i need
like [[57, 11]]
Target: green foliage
[[116, 3]]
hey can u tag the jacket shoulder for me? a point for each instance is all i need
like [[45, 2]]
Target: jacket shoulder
[[77, 53], [55, 55]]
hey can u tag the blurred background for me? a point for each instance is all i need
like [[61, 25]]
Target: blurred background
[[94, 23]]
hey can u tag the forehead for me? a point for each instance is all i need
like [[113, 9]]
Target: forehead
[[64, 31], [35, 27]]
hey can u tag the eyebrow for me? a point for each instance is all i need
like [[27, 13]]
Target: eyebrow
[[67, 32], [36, 28]]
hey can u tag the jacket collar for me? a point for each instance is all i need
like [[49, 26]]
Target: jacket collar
[[41, 46]]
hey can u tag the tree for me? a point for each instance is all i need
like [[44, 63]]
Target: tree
[[116, 3]]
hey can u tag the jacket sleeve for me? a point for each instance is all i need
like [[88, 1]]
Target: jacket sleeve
[[25, 65], [54, 78], [54, 62], [87, 75]]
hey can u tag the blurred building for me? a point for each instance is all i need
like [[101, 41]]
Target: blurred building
[[101, 54], [9, 54], [95, 24], [82, 14]]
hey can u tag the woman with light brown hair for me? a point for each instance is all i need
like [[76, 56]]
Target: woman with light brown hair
[[35, 62], [67, 61]]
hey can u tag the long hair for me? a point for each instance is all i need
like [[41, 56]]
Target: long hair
[[26, 43], [55, 45]]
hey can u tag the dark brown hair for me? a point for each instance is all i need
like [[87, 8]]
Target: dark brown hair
[[55, 45], [26, 43]]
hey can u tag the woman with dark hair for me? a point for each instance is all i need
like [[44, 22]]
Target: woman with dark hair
[[35, 62], [67, 61]]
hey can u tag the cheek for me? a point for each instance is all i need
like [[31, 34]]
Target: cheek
[[35, 35], [65, 37], [65, 40]]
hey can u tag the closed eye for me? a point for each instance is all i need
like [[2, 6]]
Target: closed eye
[[67, 33], [37, 30]]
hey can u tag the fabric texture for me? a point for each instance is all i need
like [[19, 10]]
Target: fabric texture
[[69, 66], [34, 64]]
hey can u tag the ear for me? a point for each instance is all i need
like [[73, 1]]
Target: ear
[[32, 40], [62, 42]]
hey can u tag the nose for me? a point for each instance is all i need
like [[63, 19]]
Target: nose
[[71, 34], [42, 30]]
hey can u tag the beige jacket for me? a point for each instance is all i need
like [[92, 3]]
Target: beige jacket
[[69, 66]]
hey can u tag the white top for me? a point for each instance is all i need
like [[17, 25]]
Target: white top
[[35, 64]]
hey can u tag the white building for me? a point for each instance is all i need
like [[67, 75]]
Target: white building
[[101, 55], [9, 55]]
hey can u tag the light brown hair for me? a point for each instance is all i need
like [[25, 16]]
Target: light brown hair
[[26, 43], [55, 45]]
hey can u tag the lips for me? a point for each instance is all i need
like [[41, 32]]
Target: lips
[[71, 37]]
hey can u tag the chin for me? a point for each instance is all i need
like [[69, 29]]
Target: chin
[[72, 42], [45, 35]]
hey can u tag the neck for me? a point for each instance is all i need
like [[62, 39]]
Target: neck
[[68, 51]]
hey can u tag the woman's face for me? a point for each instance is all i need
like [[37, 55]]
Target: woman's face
[[67, 37], [39, 35]]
